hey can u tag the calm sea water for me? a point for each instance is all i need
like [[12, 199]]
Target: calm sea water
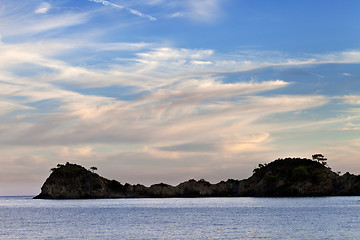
[[190, 218]]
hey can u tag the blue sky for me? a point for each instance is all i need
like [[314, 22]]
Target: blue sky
[[155, 91]]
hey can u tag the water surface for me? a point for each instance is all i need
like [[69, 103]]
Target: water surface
[[186, 218]]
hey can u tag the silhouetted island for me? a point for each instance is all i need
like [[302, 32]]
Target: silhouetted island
[[289, 177]]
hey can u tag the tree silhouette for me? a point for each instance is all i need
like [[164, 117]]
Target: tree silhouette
[[320, 158], [93, 169]]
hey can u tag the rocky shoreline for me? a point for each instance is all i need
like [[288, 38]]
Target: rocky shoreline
[[289, 177]]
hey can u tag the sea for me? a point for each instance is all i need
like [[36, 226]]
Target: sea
[[181, 218]]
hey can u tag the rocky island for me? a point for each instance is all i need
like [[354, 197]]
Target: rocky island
[[289, 177]]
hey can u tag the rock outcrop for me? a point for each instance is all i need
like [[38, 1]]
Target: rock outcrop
[[290, 177], [71, 181]]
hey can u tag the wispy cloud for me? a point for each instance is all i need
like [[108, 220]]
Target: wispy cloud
[[25, 21], [43, 8], [133, 11], [207, 10], [6, 107], [82, 95], [351, 99], [197, 10]]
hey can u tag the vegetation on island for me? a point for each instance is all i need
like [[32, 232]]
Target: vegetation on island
[[288, 177]]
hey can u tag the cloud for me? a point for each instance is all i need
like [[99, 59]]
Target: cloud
[[133, 11], [204, 10], [70, 94], [55, 22], [160, 118], [81, 152], [43, 8], [351, 127], [201, 11], [350, 99], [168, 102], [149, 69], [342, 154], [180, 99], [197, 10], [177, 89], [22, 22], [201, 62], [6, 107], [351, 56], [234, 144], [253, 143]]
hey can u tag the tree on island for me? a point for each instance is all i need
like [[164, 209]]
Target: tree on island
[[93, 169], [320, 158]]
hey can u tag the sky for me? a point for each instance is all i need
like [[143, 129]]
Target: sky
[[152, 91]]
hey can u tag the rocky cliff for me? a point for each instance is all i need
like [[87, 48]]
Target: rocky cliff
[[280, 178]]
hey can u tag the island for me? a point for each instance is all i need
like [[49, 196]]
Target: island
[[289, 177]]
